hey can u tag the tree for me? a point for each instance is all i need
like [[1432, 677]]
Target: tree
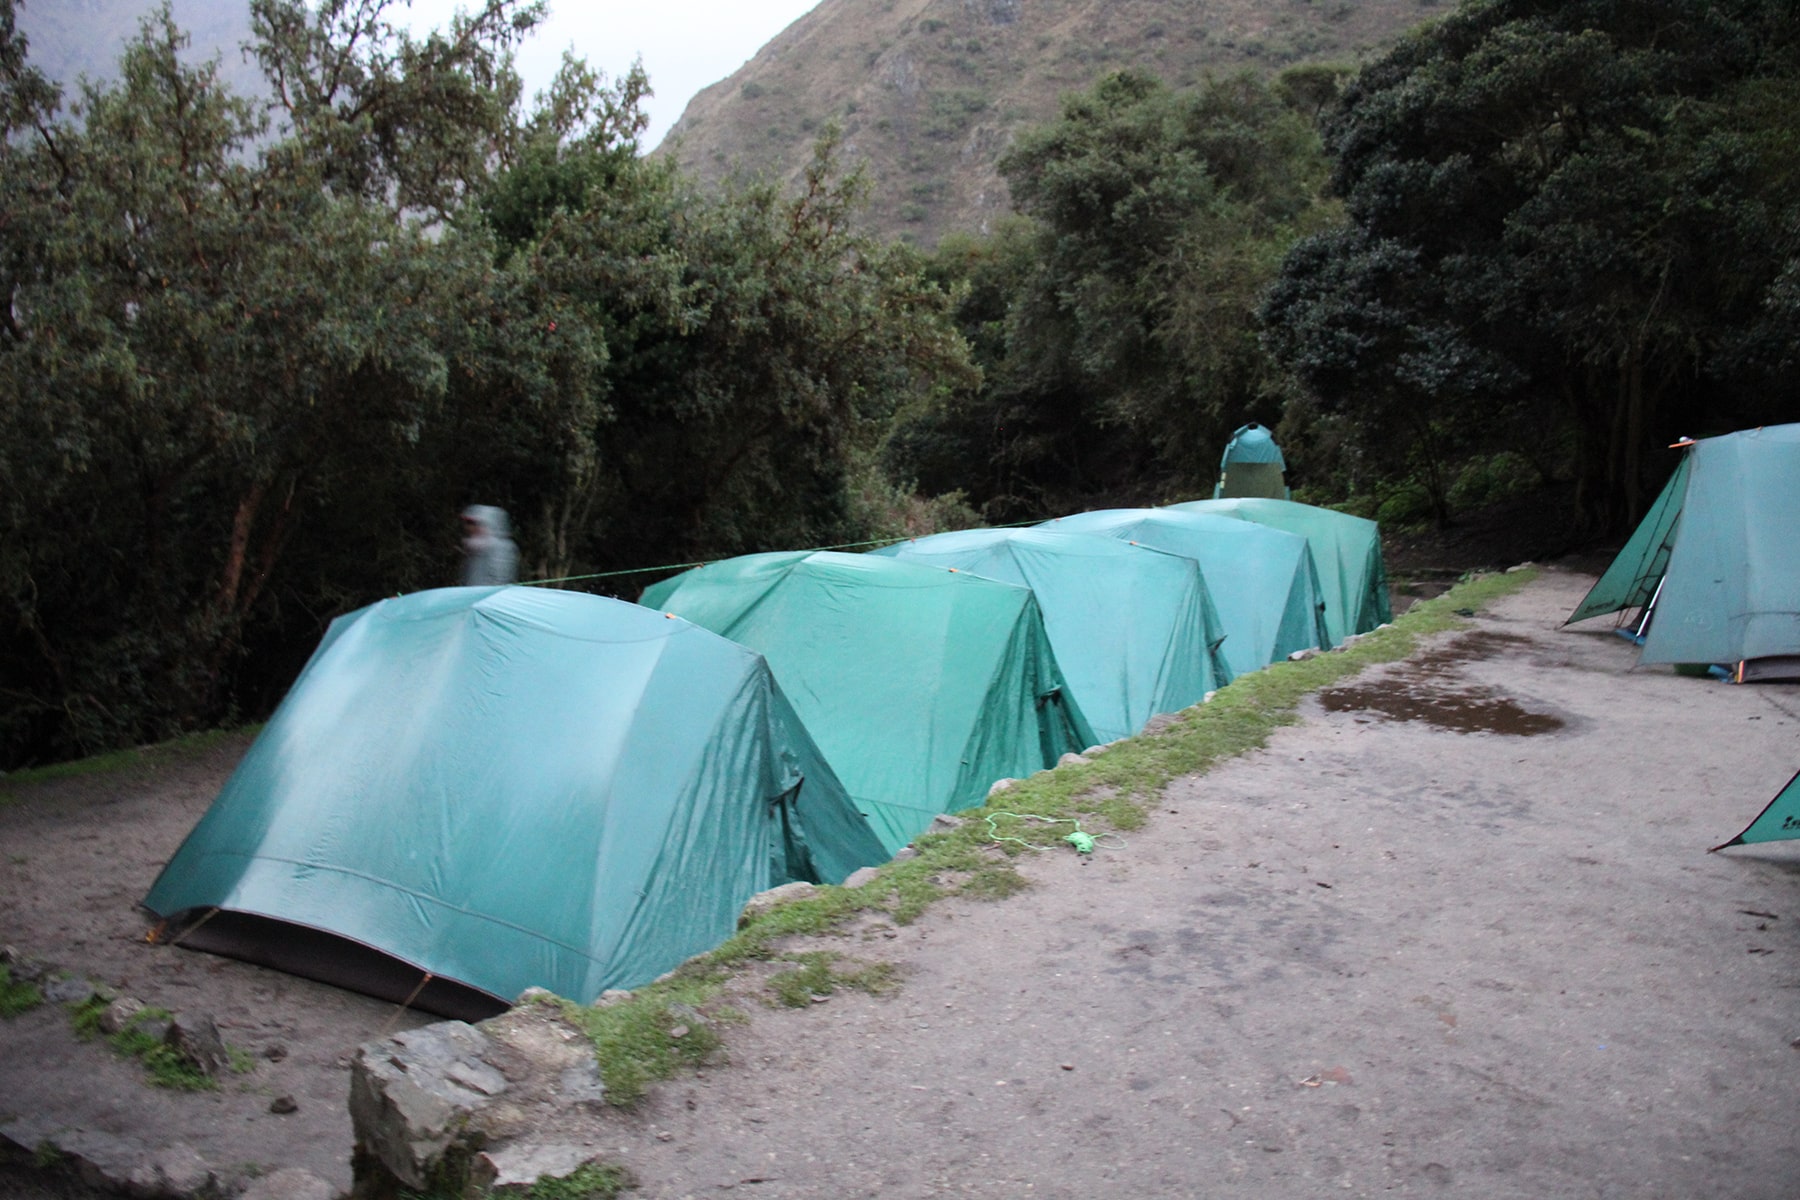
[[197, 327], [756, 344], [1129, 348], [255, 357], [1562, 220]]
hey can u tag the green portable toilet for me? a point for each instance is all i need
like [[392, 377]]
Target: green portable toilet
[[1134, 629], [922, 686], [1717, 560], [1345, 549], [1252, 465], [473, 791], [1262, 580]]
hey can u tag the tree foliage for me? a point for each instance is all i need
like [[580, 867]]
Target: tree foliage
[[1118, 327], [256, 355], [1566, 221]]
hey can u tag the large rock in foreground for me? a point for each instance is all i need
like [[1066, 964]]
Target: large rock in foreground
[[452, 1106]]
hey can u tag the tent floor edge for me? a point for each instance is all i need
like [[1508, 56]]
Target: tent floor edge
[[330, 958]]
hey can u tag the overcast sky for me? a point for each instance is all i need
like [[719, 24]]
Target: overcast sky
[[685, 44]]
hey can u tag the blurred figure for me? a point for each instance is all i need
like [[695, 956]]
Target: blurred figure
[[489, 555]]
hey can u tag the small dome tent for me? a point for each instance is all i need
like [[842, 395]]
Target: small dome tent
[[922, 686], [1262, 580], [472, 791], [1134, 630], [1346, 550], [1252, 465], [1716, 561]]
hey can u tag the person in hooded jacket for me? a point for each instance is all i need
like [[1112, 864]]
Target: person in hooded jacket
[[489, 555]]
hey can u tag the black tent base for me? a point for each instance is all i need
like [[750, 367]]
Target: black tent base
[[315, 954], [1776, 668]]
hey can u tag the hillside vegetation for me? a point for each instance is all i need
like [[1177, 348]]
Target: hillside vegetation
[[930, 93]]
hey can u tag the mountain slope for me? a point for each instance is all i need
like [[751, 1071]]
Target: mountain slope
[[930, 93]]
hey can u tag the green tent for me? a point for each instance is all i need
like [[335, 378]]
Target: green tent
[[1345, 549], [1252, 465], [1134, 630], [1730, 590], [921, 686], [473, 791], [1778, 822], [1631, 579], [1263, 580]]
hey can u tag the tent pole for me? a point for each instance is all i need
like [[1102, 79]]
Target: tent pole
[[1649, 609]]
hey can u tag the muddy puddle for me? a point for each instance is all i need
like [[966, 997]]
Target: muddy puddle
[[1431, 689]]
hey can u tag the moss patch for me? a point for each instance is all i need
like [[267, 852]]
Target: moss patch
[[16, 995]]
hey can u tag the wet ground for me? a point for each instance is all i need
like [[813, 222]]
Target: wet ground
[[1434, 689]]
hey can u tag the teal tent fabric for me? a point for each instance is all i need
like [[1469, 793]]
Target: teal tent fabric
[[1345, 549], [1263, 580], [1731, 592], [1717, 559], [512, 787], [1252, 465], [1134, 630], [1777, 822], [921, 686], [1630, 580]]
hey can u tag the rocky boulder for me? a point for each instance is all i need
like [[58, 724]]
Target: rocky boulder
[[453, 1106]]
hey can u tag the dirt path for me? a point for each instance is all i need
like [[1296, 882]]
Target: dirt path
[[1381, 955]]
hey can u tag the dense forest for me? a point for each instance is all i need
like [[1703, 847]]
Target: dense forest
[[258, 353]]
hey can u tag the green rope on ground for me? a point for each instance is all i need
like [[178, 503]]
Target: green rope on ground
[[1084, 843]]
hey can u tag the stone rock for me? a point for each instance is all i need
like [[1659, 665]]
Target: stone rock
[[1097, 751], [118, 1014], [861, 877], [1071, 760], [68, 990], [1524, 566], [1303, 655], [1002, 785], [612, 996], [904, 853], [524, 1163], [281, 1106], [406, 1113], [944, 823], [1160, 722], [22, 967], [775, 897], [289, 1183], [196, 1038], [426, 1103], [173, 1171], [102, 1161]]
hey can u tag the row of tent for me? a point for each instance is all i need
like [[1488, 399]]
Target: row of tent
[[471, 791]]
